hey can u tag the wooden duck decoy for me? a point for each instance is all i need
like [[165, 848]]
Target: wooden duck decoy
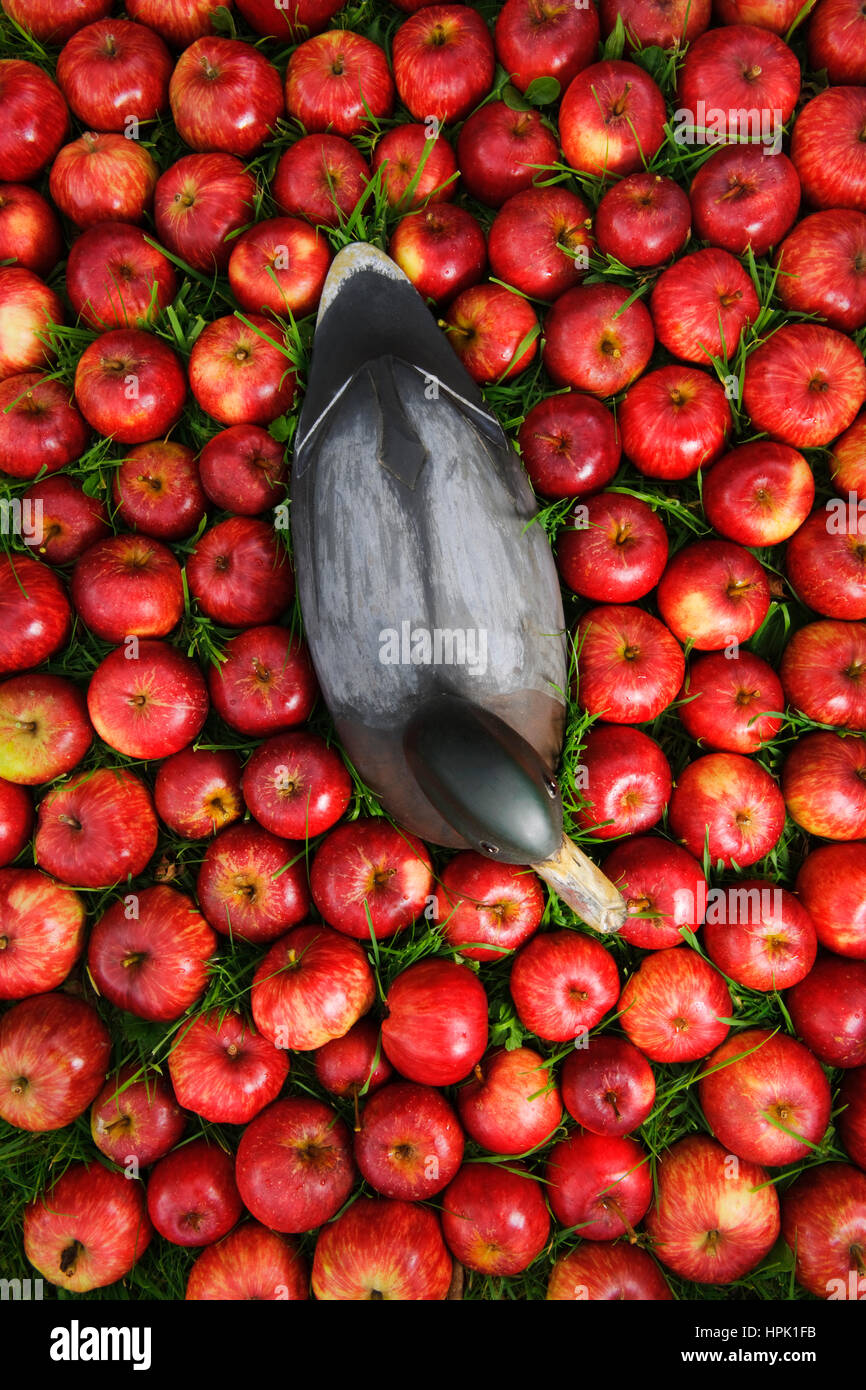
[[431, 604]]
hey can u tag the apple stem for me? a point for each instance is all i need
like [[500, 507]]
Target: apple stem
[[479, 1074], [69, 1257], [4, 942], [611, 1204], [132, 959], [357, 1112], [19, 1086]]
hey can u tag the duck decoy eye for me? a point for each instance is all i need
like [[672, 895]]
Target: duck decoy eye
[[488, 848], [552, 787]]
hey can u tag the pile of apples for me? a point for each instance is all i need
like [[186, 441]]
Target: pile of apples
[[199, 903]]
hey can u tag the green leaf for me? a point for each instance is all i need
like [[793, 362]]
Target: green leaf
[[514, 100], [543, 91], [280, 429], [614, 44]]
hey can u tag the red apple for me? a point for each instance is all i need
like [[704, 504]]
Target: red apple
[[16, 820], [225, 97], [713, 1220], [824, 785], [501, 152], [369, 877], [441, 249], [71, 521], [33, 120], [741, 197], [54, 21], [828, 150], [674, 421], [157, 490], [312, 985], [594, 343], [729, 804], [298, 787], [149, 953], [239, 373], [294, 1165], [88, 1229], [822, 672], [732, 704], [436, 1028], [243, 470], [765, 1098], [253, 885], [338, 81], [540, 241], [828, 1010], [625, 782], [832, 887], [826, 563], [837, 41], [805, 384], [130, 385], [198, 202], [512, 1104], [128, 586], [643, 220], [776, 15], [96, 829], [151, 707], [599, 1183], [570, 445], [494, 1219], [611, 119], [35, 617], [562, 984], [629, 665], [852, 1121], [608, 1087], [266, 684], [543, 38], [847, 458], [664, 889], [760, 935], [30, 232], [823, 268], [409, 1144], [322, 178], [759, 493], [40, 428], [180, 22], [112, 70], [103, 177], [662, 23], [675, 1006], [486, 910], [198, 791], [42, 932], [493, 331], [28, 309], [824, 1224], [54, 1052], [136, 1117], [382, 1249], [116, 279], [417, 167], [192, 1195], [225, 1071], [44, 728], [353, 1065], [713, 594], [443, 62], [279, 265], [733, 79], [607, 1272], [701, 304], [240, 574], [251, 1262], [289, 21]]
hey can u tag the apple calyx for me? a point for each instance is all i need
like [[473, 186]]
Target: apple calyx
[[69, 1258], [19, 1085]]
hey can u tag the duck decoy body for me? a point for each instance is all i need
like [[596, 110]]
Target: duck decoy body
[[430, 601]]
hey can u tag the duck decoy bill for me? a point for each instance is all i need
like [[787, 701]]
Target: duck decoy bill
[[430, 600]]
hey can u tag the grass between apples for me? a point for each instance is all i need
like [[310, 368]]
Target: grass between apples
[[28, 1163]]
